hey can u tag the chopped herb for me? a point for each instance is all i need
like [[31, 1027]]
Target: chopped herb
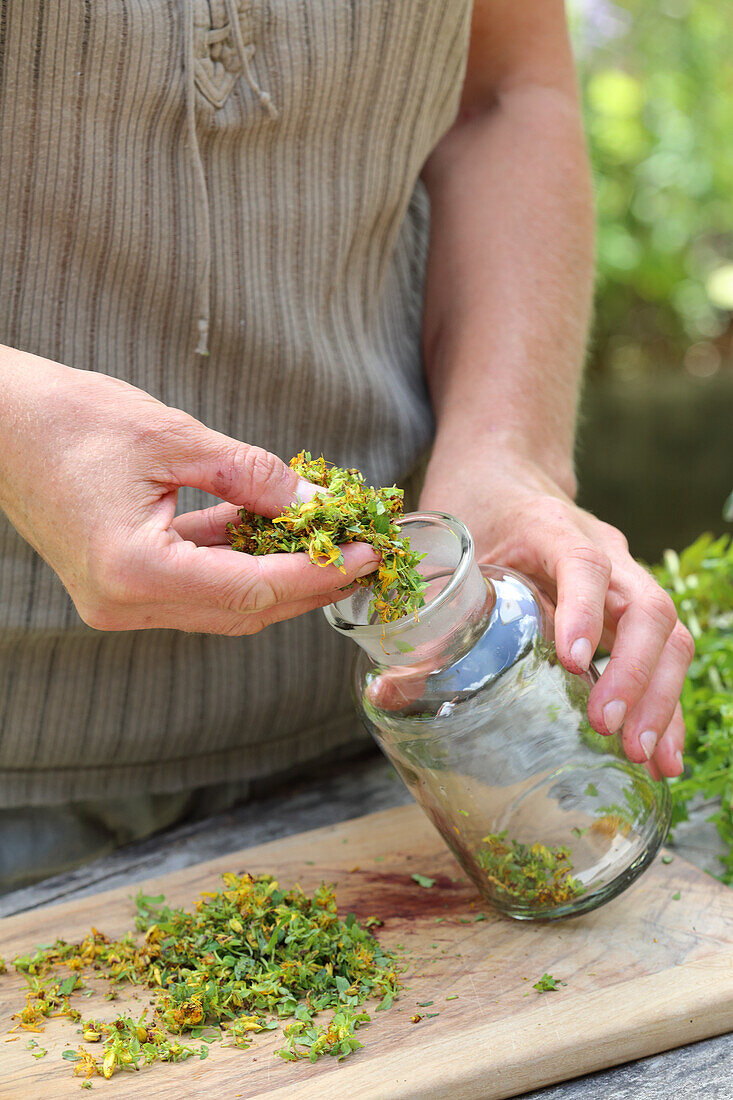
[[530, 874], [424, 1004], [68, 985], [347, 510], [464, 812], [423, 880], [547, 983], [453, 997], [416, 1018], [677, 896], [579, 832], [246, 957], [479, 916], [667, 859], [591, 790]]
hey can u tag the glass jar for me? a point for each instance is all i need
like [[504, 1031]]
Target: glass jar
[[490, 733]]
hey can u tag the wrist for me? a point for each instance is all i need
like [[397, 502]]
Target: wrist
[[500, 463]]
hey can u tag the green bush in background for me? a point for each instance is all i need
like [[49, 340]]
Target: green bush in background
[[657, 78]]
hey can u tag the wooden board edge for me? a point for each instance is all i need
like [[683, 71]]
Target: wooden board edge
[[618, 1024]]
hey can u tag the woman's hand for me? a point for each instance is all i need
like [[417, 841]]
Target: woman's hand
[[90, 474], [520, 518]]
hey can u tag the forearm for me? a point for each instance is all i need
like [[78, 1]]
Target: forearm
[[509, 283]]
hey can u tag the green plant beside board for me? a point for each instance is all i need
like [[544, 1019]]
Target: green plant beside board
[[700, 581]]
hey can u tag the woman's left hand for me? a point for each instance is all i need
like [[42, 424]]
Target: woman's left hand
[[520, 518]]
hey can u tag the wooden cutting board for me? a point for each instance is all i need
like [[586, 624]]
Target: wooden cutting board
[[644, 973]]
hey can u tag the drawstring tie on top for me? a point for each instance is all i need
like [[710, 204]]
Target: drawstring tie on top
[[245, 54]]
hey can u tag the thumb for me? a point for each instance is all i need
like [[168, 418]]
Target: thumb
[[238, 473]]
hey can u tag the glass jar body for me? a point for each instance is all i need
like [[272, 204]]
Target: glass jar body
[[491, 735]]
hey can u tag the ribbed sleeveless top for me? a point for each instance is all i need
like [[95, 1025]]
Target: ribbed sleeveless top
[[218, 201]]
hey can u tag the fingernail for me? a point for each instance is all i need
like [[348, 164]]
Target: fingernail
[[365, 570], [614, 714], [305, 491], [678, 757], [648, 741], [581, 652]]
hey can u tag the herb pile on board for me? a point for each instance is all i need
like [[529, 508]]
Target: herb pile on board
[[700, 581], [248, 957], [348, 510]]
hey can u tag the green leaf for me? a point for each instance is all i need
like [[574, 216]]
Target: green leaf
[[423, 880], [547, 983]]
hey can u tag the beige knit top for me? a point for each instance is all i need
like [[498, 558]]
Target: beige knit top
[[218, 201]]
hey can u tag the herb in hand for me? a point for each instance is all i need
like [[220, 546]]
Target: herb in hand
[[347, 510]]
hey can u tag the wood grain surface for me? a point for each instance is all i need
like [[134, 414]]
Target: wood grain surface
[[644, 973]]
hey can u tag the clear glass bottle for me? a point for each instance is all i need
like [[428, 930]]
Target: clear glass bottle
[[490, 733]]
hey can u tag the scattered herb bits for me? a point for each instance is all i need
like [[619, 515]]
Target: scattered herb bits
[[347, 510], [424, 881], [247, 957]]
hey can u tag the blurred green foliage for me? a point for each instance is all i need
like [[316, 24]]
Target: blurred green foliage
[[699, 581], [657, 78]]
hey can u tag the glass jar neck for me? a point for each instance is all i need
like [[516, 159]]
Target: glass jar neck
[[457, 601]]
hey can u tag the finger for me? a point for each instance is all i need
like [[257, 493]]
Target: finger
[[218, 578], [230, 469], [582, 573], [396, 689], [206, 527], [641, 634], [653, 770], [668, 755], [300, 607], [651, 718], [234, 624]]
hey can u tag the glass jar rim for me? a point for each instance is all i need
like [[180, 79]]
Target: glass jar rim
[[407, 622]]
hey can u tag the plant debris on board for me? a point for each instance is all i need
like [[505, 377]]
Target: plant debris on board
[[547, 983], [700, 581], [248, 957], [347, 510]]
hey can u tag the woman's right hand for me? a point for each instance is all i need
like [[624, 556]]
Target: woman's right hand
[[91, 469]]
